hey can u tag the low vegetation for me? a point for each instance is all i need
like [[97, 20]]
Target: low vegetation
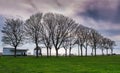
[[99, 64]]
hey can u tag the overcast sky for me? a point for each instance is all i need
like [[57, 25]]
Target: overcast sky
[[102, 15]]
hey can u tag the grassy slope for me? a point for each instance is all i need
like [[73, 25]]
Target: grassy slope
[[101, 64]]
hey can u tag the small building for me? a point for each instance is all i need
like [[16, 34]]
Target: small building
[[10, 51]]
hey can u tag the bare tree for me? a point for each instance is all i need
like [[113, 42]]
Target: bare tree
[[109, 45], [13, 33], [102, 45], [48, 25], [86, 37], [80, 33], [94, 40], [106, 45], [46, 39], [112, 43], [33, 28], [69, 42], [59, 27]]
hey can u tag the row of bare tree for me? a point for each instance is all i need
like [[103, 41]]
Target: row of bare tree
[[54, 30]]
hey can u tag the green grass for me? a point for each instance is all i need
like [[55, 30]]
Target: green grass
[[99, 64]]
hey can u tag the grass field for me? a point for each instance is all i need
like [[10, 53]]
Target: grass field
[[99, 64]]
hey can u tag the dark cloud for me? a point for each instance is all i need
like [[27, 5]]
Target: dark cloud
[[102, 10], [117, 15]]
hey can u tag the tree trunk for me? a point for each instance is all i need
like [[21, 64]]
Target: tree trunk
[[106, 51], [70, 51], [50, 51], [66, 52], [40, 52], [36, 42], [111, 51], [92, 52], [47, 52], [86, 51], [78, 50], [56, 52], [37, 52], [81, 50], [15, 51], [102, 52], [95, 49]]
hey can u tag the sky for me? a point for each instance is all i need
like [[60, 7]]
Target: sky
[[102, 15]]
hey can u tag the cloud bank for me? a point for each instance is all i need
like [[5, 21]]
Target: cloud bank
[[102, 15]]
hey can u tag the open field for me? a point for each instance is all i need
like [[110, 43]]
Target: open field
[[99, 64]]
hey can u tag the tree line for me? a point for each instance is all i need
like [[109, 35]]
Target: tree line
[[54, 31]]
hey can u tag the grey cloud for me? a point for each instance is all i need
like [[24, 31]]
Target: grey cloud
[[102, 10], [25, 8], [111, 32], [32, 4], [98, 10], [2, 19]]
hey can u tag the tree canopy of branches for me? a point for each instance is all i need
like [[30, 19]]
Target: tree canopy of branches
[[33, 28], [13, 33], [55, 30], [94, 40], [59, 27]]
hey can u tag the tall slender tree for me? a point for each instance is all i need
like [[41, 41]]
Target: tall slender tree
[[48, 25], [94, 39], [112, 43], [102, 45], [86, 38], [80, 38], [33, 28]]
